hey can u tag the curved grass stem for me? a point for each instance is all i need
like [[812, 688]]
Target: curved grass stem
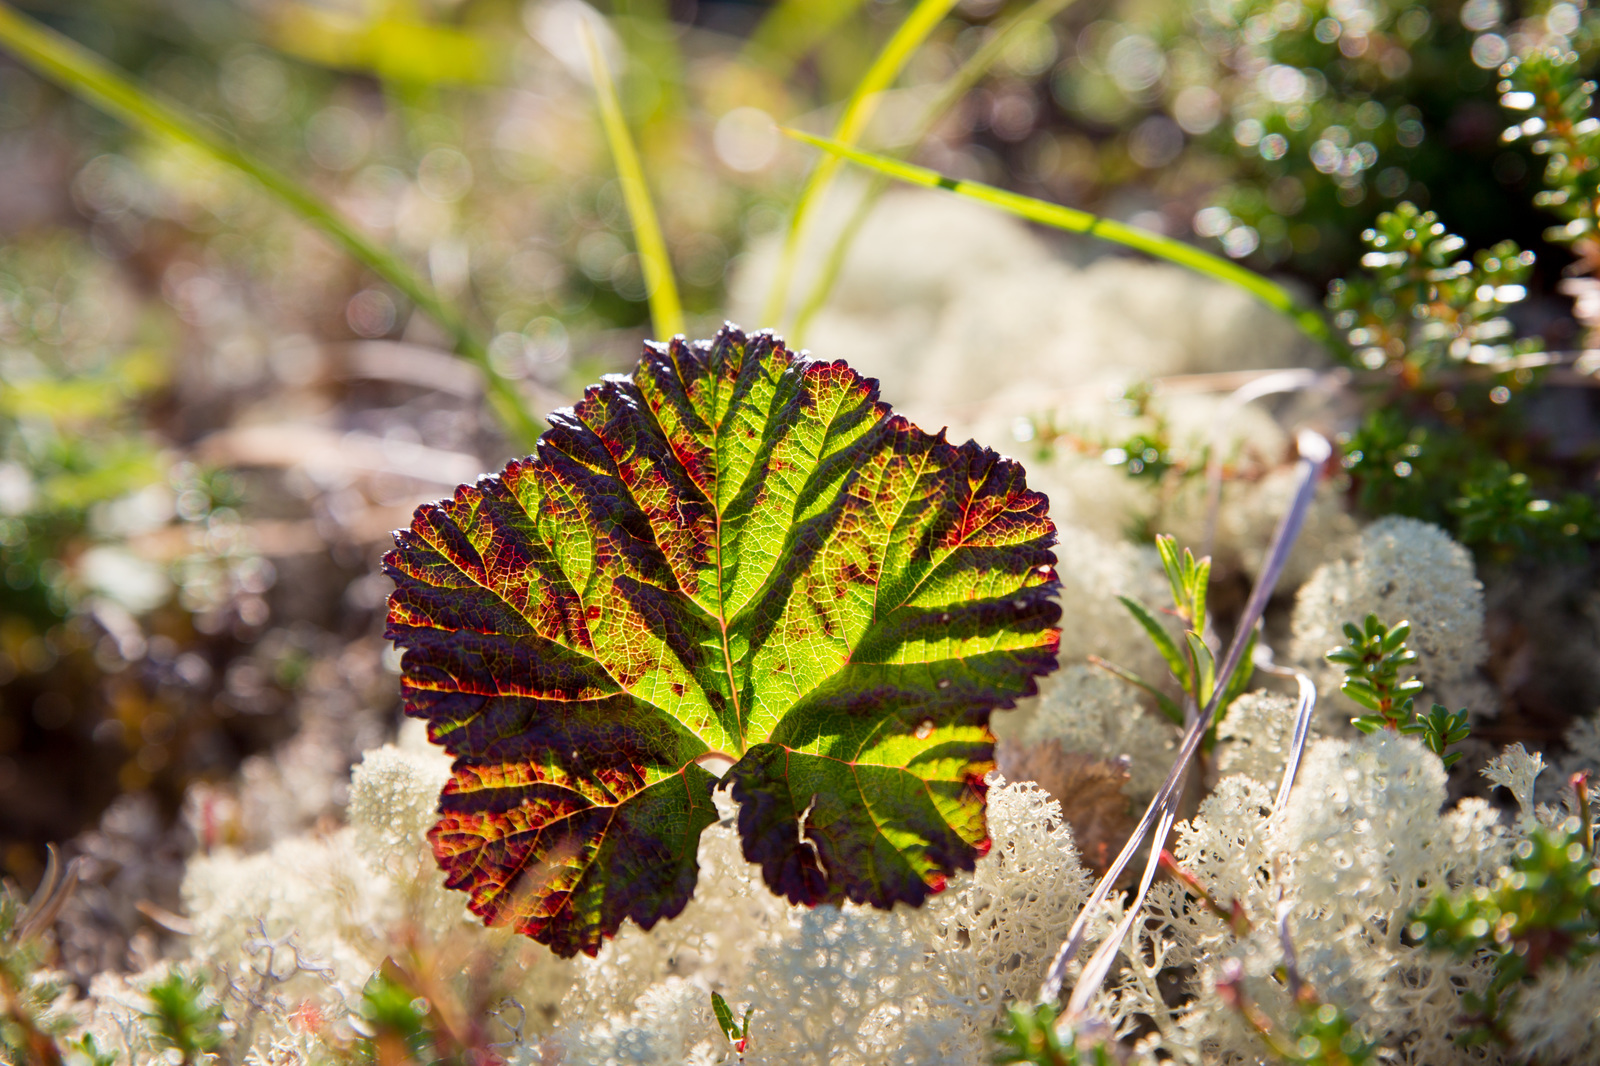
[[852, 123], [92, 79], [666, 312], [1269, 292], [1036, 14]]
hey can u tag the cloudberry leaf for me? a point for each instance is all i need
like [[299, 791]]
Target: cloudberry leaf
[[737, 553]]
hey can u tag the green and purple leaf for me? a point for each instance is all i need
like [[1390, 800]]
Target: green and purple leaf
[[738, 554]]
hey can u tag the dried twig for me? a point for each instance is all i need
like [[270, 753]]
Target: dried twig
[[1314, 453]]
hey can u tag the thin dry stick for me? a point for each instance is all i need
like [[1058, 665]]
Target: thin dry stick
[[1314, 453], [1304, 707], [55, 889]]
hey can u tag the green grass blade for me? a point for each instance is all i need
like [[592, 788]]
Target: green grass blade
[[724, 1014], [1167, 549], [1072, 220], [1038, 13], [90, 78], [1205, 668], [1165, 704], [1160, 638], [1201, 584], [857, 112], [666, 313]]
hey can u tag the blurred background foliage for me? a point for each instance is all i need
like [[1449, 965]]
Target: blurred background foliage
[[210, 417]]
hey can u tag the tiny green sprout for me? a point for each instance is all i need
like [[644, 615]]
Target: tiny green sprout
[[738, 1033], [1543, 909], [1189, 578], [395, 1019], [1033, 1036], [1192, 663], [184, 1015], [1439, 729], [85, 1052], [1373, 658]]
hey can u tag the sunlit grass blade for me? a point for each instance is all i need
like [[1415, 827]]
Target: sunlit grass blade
[[1167, 705], [666, 313], [857, 112], [955, 88], [1205, 667], [1161, 639], [1072, 220], [90, 78]]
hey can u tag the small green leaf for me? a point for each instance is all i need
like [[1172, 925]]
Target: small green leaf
[[1168, 706], [1397, 635], [719, 1006], [184, 1015], [1362, 693], [1205, 665], [1198, 586], [1167, 548], [1395, 660], [91, 1053], [1176, 662]]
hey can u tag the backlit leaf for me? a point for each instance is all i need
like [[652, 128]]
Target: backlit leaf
[[736, 554]]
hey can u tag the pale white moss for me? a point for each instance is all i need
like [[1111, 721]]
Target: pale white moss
[[669, 1025], [394, 800], [1250, 523], [1088, 710], [1255, 736], [1556, 1017], [1359, 809], [840, 990], [991, 936], [321, 890], [1583, 742], [838, 985], [1517, 770], [1361, 845]]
